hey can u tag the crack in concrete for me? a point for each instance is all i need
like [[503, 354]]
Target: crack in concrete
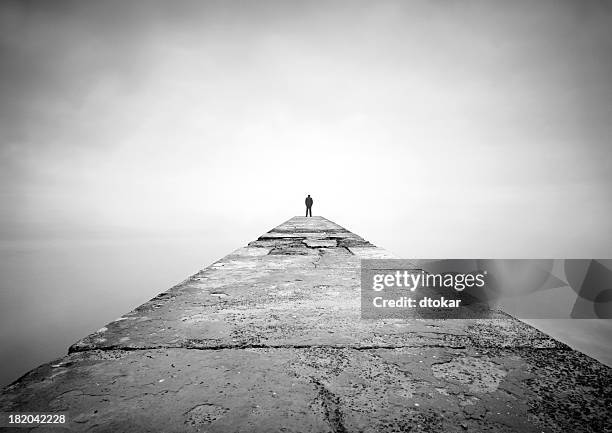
[[263, 346], [187, 346], [317, 260], [347, 249], [331, 407], [309, 230]]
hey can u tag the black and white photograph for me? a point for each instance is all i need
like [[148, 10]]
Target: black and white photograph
[[306, 216]]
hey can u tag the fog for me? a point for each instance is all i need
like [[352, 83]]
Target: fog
[[431, 128]]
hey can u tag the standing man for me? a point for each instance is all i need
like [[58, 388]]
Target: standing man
[[308, 205]]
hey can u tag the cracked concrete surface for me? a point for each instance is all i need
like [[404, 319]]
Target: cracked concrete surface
[[269, 338]]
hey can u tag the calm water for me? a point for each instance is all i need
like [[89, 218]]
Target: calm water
[[53, 293]]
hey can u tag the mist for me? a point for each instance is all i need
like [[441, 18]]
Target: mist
[[431, 128]]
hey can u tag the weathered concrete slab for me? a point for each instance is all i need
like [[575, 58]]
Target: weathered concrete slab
[[269, 338]]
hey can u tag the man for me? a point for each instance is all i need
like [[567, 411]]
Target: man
[[308, 205]]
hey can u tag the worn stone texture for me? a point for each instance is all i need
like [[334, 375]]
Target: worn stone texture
[[270, 338]]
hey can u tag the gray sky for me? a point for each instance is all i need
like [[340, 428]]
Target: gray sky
[[433, 128]]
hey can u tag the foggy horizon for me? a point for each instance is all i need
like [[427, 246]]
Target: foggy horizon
[[432, 128]]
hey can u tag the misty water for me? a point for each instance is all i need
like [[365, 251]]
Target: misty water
[[54, 292]]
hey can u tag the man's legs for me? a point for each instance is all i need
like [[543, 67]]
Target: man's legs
[[309, 211]]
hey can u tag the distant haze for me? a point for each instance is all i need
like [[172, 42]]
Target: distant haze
[[436, 128]]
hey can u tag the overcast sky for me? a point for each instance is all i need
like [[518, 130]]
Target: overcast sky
[[435, 128]]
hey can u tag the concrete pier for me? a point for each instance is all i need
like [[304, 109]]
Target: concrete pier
[[270, 338]]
